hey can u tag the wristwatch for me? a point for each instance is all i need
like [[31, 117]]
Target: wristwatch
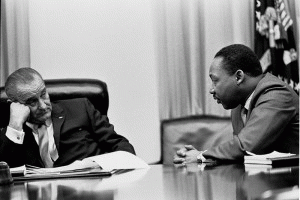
[[200, 157]]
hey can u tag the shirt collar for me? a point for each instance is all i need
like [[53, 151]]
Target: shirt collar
[[247, 104], [48, 122]]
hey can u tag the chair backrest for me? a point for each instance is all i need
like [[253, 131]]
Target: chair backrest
[[201, 131], [68, 88]]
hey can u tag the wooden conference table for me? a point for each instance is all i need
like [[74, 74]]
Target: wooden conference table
[[230, 182]]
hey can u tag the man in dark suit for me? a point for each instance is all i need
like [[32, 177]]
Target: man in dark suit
[[265, 110], [51, 134]]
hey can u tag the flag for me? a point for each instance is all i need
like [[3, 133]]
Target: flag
[[274, 40]]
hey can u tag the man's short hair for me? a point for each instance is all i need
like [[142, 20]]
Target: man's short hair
[[238, 56], [19, 77]]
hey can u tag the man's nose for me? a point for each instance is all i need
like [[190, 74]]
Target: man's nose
[[212, 90], [42, 104]]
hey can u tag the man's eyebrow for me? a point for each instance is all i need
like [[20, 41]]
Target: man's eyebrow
[[31, 99]]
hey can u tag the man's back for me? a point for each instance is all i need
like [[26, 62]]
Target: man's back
[[272, 119]]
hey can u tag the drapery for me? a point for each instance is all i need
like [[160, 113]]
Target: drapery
[[15, 49], [189, 34]]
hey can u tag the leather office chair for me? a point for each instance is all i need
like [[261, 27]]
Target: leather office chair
[[59, 89], [201, 131]]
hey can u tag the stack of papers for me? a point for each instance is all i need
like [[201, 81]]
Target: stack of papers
[[275, 159], [100, 165]]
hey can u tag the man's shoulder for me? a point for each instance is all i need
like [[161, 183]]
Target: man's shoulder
[[272, 88], [271, 79], [71, 101], [271, 82], [70, 105]]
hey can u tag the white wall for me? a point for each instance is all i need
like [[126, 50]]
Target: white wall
[[109, 40]]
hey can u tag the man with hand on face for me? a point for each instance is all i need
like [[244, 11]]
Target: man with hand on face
[[265, 110], [51, 134]]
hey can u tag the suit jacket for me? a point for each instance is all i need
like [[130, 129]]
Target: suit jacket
[[272, 123], [80, 131]]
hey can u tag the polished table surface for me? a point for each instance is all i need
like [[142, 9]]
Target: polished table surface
[[230, 182]]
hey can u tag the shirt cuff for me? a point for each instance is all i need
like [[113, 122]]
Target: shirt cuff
[[200, 157], [15, 135]]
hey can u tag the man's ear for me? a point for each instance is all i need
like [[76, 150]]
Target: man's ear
[[240, 76]]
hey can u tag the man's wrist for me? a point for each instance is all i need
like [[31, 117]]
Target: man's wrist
[[200, 157], [16, 126], [15, 135]]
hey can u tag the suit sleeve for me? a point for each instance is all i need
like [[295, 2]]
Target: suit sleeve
[[271, 114], [10, 152], [105, 133]]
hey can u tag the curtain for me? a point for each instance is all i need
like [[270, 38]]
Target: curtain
[[15, 51], [189, 35]]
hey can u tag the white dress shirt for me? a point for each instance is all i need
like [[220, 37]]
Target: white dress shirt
[[18, 137]]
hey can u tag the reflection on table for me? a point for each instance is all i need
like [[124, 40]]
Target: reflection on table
[[233, 181]]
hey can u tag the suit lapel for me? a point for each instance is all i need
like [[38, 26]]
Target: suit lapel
[[238, 123], [58, 117], [32, 148]]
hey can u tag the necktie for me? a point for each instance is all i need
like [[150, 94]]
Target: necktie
[[44, 146]]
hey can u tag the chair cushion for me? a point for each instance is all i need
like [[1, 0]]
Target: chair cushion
[[202, 132]]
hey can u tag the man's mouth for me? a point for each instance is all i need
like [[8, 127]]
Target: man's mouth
[[44, 112], [218, 100]]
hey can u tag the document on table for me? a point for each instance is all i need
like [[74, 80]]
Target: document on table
[[118, 160], [275, 159], [105, 164]]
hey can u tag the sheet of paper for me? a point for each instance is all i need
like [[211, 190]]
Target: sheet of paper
[[119, 160], [73, 167], [15, 170], [108, 162]]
